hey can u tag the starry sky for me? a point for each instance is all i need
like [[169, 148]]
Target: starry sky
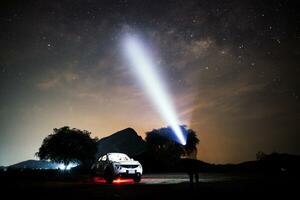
[[232, 69]]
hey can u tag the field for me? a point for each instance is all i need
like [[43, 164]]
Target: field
[[155, 186]]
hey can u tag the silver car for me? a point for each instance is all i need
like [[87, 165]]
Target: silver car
[[114, 165]]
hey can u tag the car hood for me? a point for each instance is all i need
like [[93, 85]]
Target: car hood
[[129, 162]]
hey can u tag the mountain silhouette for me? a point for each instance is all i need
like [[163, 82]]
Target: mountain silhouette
[[34, 164], [125, 141]]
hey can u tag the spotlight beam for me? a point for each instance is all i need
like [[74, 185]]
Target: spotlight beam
[[146, 73]]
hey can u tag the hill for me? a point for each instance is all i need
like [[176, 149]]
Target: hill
[[126, 141], [34, 164]]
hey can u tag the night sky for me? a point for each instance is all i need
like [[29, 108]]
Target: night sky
[[232, 69]]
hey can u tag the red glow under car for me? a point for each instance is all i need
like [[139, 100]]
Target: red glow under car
[[120, 181], [99, 180], [116, 181]]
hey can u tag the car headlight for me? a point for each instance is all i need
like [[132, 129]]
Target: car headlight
[[118, 166]]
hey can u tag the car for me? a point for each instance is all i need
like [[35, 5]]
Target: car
[[117, 165]]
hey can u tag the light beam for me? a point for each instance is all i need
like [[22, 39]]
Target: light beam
[[144, 69]]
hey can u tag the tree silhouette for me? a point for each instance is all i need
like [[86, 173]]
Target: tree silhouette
[[163, 148], [260, 155], [67, 145], [191, 143]]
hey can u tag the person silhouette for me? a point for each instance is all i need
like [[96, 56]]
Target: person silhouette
[[191, 167], [193, 175]]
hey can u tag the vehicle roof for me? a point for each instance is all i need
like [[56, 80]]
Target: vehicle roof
[[113, 153]]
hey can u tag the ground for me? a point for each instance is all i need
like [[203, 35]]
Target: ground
[[156, 186]]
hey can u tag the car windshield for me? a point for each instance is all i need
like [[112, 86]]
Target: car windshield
[[118, 157]]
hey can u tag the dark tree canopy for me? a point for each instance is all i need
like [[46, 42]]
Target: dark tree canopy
[[67, 145], [260, 155], [164, 149], [191, 142]]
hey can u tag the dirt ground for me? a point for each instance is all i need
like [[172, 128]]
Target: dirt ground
[[155, 186]]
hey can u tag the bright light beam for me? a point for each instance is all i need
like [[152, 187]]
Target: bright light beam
[[146, 73]]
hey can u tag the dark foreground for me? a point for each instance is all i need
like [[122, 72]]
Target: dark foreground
[[153, 186]]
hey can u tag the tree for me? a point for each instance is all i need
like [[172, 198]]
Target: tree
[[191, 143], [67, 145], [163, 148], [260, 155]]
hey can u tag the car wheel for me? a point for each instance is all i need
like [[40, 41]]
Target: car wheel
[[93, 172], [108, 176], [137, 179]]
